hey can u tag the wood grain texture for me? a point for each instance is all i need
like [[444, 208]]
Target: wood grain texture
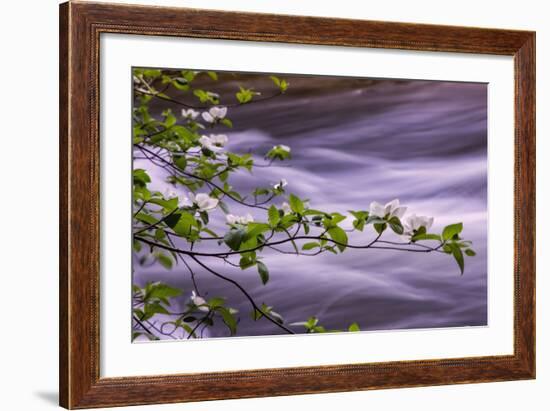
[[80, 27]]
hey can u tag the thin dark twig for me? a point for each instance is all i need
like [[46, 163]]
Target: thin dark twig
[[294, 253], [187, 266], [140, 323], [159, 331], [199, 323], [286, 240], [240, 287], [204, 107], [206, 180], [150, 227], [140, 208]]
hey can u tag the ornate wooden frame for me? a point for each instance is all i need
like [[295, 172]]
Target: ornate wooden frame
[[80, 27]]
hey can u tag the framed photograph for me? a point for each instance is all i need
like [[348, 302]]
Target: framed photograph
[[260, 205]]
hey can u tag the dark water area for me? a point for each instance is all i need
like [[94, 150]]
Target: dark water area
[[353, 142]]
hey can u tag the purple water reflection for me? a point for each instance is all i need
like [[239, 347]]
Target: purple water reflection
[[355, 141]]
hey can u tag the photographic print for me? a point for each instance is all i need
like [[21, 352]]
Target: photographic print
[[278, 204]]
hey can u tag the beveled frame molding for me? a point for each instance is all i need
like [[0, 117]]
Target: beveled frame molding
[[81, 24]]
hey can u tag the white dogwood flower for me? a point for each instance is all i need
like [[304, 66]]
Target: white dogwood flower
[[219, 140], [234, 219], [189, 114], [203, 201], [281, 184], [199, 302], [413, 223], [286, 208], [183, 200], [213, 142], [214, 114], [283, 147], [391, 209], [169, 193]]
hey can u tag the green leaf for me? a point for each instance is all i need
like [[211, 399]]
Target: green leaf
[[395, 225], [337, 218], [169, 118], [340, 236], [213, 75], [281, 84], [153, 73], [226, 122], [180, 83], [188, 75], [469, 252], [380, 227], [229, 319], [451, 230], [310, 246], [149, 310], [201, 94], [263, 271], [146, 218], [172, 219], [168, 205], [457, 254], [258, 314], [180, 162], [278, 153], [159, 234], [375, 220], [360, 215], [273, 216], [141, 193], [296, 204], [256, 229], [247, 261], [276, 80], [183, 133], [420, 237], [185, 222], [161, 290], [245, 95], [164, 260], [234, 237], [360, 219], [141, 178], [354, 327], [359, 224], [137, 246], [216, 302]]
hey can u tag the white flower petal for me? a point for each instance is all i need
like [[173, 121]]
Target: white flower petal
[[231, 219], [286, 208], [391, 206], [218, 112], [222, 112], [190, 114], [399, 212], [376, 209], [219, 140], [209, 118]]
